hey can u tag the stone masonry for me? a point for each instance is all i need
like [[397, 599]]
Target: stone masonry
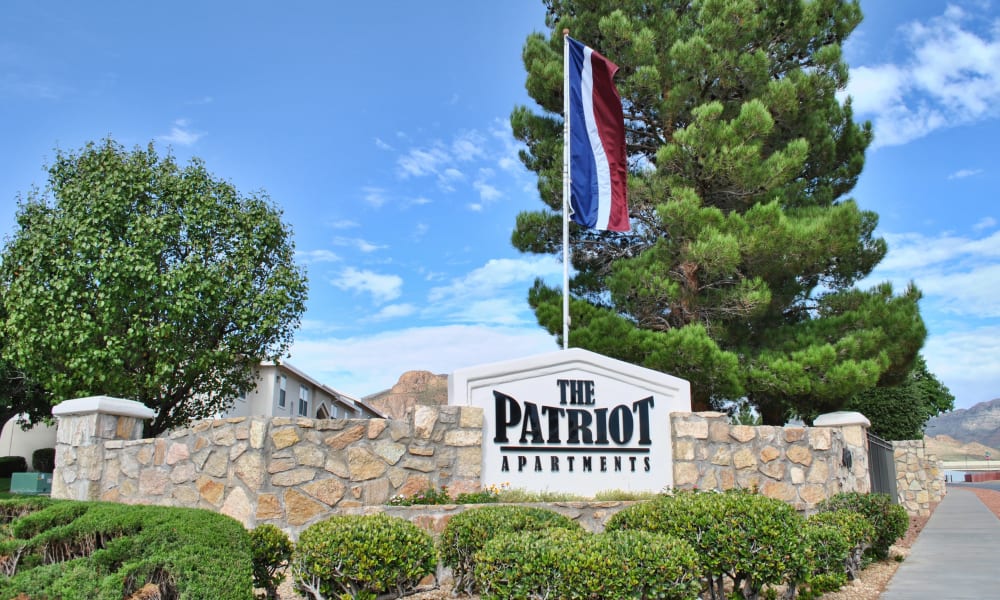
[[290, 472], [800, 465], [919, 477]]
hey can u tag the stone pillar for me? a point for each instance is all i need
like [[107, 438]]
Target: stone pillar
[[853, 476], [83, 426]]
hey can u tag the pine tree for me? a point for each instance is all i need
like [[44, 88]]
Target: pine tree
[[740, 271]]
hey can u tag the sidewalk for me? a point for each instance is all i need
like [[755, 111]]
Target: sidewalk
[[957, 555]]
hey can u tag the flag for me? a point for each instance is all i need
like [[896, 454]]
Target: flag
[[598, 170]]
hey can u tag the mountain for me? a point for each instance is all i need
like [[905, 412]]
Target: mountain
[[980, 424], [413, 388]]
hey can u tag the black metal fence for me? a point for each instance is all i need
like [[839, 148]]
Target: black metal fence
[[882, 467]]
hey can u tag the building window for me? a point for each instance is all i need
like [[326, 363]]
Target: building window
[[303, 401], [282, 384]]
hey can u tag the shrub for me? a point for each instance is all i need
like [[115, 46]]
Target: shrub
[[43, 460], [271, 549], [107, 551], [361, 557], [562, 563], [466, 533], [431, 495], [12, 464], [857, 532], [889, 520], [754, 540]]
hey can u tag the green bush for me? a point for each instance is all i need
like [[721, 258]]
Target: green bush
[[12, 464], [43, 460], [857, 532], [466, 533], [889, 520], [562, 563], [271, 550], [753, 540], [106, 551], [362, 557]]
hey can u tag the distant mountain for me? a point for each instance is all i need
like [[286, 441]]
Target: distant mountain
[[979, 424], [413, 388]]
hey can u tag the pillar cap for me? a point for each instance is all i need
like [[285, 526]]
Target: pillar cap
[[841, 418], [105, 405]]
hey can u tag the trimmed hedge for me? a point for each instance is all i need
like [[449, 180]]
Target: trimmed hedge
[[752, 540], [467, 533], [106, 551], [271, 550], [12, 464], [362, 557], [858, 533], [562, 563], [43, 460], [888, 519]]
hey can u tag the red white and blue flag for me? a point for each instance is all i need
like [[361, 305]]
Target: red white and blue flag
[[598, 169]]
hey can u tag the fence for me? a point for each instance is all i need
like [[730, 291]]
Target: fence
[[882, 467]]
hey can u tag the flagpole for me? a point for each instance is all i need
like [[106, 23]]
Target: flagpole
[[566, 189]]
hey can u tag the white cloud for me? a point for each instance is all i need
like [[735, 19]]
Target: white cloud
[[985, 223], [381, 145], [420, 201], [419, 231], [468, 145], [364, 365], [475, 207], [374, 196], [951, 78], [383, 288], [362, 245], [963, 173], [494, 292], [487, 193], [316, 256], [181, 134], [958, 275], [344, 224], [968, 362], [394, 311], [419, 162]]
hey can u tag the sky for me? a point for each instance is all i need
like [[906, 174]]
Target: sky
[[381, 131]]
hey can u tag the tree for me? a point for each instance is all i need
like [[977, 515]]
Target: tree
[[739, 273], [133, 277], [900, 412]]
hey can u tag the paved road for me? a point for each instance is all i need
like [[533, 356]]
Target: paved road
[[957, 555]]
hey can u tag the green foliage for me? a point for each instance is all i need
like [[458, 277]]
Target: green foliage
[[560, 563], [739, 273], [104, 551], [362, 557], [900, 412], [134, 277], [271, 550], [888, 520], [431, 495], [466, 533], [12, 464], [857, 532], [751, 539], [43, 460]]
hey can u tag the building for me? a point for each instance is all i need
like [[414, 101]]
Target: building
[[285, 391]]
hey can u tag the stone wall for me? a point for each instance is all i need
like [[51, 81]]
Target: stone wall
[[290, 472], [800, 465], [919, 477]]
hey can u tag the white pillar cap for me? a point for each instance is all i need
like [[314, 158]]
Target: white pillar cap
[[105, 405]]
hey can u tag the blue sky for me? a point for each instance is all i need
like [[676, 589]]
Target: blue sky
[[381, 131]]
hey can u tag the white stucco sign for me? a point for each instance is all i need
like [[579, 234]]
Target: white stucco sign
[[573, 421]]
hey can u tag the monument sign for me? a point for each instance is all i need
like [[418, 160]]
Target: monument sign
[[573, 421]]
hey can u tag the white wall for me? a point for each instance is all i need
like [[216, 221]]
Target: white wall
[[15, 442]]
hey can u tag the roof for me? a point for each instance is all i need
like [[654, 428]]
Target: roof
[[355, 403]]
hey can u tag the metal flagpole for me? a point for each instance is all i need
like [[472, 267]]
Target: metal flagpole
[[566, 189]]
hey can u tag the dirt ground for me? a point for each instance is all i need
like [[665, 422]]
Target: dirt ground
[[869, 586]]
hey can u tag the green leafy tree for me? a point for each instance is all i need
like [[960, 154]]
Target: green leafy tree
[[739, 273], [901, 411], [133, 277]]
